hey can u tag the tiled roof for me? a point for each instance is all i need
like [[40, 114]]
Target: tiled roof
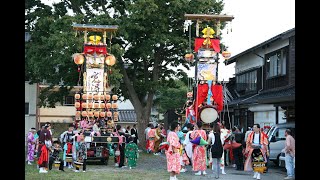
[[127, 115], [271, 95]]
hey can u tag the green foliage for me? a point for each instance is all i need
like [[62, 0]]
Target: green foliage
[[150, 40], [171, 96]]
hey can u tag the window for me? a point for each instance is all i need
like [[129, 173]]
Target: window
[[247, 81], [69, 101], [276, 63], [280, 134], [26, 110]]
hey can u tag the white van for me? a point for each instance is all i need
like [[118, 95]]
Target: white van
[[277, 139]]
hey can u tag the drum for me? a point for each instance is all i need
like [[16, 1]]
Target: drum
[[208, 114], [56, 164], [78, 164]]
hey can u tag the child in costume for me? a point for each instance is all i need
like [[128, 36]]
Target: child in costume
[[56, 155], [82, 154], [67, 153], [131, 152]]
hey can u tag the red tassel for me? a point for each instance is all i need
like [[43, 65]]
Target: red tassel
[[78, 68]]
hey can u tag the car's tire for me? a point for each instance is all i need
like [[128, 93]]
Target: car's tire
[[276, 162]]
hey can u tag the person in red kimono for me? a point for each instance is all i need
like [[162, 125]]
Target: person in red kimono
[[173, 153], [199, 158]]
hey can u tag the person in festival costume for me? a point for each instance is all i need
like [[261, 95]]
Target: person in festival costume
[[131, 152], [120, 146], [257, 149], [187, 144], [172, 153], [67, 149], [44, 145], [82, 154], [225, 134], [56, 155], [199, 157], [152, 137], [31, 145], [146, 131], [158, 140]]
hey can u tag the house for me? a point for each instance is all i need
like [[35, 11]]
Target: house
[[31, 110], [263, 89]]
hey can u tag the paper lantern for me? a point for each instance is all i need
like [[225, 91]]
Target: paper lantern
[[108, 105], [77, 104], [189, 57], [96, 105], [84, 105], [107, 97], [102, 114], [114, 97], [114, 105], [110, 60], [189, 94], [96, 97], [90, 105], [84, 113], [90, 96], [78, 113], [96, 114], [101, 97], [226, 54], [84, 96], [102, 105], [109, 114], [78, 58], [90, 113], [77, 96]]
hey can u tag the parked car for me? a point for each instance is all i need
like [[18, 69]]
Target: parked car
[[282, 157], [277, 139]]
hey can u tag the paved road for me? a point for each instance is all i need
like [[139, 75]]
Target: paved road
[[274, 173]]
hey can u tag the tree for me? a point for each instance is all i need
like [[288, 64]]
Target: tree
[[150, 39]]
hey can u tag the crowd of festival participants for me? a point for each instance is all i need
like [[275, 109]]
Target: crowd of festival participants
[[215, 148], [70, 150], [187, 146]]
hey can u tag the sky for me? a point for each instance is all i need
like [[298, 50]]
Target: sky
[[254, 21]]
